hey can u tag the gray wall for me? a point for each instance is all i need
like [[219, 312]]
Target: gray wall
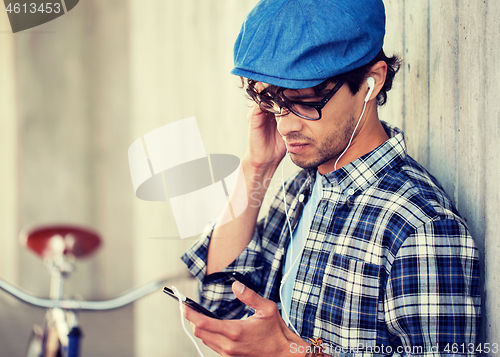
[[75, 92], [446, 100], [64, 89]]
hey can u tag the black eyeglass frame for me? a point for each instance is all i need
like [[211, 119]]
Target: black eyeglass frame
[[288, 103], [316, 105]]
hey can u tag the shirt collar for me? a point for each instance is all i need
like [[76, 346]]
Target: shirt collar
[[362, 172]]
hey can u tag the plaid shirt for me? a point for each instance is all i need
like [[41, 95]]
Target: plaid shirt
[[388, 263]]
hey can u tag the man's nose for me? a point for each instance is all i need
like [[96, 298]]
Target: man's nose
[[289, 122]]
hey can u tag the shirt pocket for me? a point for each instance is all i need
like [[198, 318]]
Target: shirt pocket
[[348, 303]]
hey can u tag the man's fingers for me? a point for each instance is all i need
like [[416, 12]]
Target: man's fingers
[[197, 319], [216, 334], [262, 306], [202, 322]]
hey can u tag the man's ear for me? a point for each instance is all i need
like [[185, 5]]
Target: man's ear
[[378, 72]]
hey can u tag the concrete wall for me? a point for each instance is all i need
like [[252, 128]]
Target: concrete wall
[[446, 100], [75, 92], [8, 156], [65, 125], [181, 55]]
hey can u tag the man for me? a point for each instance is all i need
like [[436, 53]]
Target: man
[[379, 260]]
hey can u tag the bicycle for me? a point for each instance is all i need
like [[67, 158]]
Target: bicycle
[[60, 246]]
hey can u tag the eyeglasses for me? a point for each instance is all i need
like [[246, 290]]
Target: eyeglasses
[[302, 109]]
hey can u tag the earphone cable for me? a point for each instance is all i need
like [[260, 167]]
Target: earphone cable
[[352, 136], [285, 277], [180, 298]]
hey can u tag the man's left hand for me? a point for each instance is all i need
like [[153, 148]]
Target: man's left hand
[[263, 334]]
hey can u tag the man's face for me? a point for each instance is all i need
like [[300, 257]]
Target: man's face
[[318, 143]]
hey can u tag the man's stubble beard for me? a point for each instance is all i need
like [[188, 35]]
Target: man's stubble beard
[[329, 148]]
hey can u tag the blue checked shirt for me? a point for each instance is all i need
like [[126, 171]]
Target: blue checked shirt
[[388, 265]]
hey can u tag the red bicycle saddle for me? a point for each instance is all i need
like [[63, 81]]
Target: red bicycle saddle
[[78, 241]]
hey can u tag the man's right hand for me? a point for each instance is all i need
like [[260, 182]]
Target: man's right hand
[[266, 147]]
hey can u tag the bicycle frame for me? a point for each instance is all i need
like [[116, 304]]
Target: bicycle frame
[[59, 246], [58, 309], [77, 305]]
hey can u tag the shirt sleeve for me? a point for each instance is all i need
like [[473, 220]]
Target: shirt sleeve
[[216, 289], [432, 300], [257, 265]]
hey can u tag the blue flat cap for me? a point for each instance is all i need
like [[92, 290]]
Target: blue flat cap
[[300, 43]]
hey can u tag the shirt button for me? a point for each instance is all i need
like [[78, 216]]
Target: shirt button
[[301, 197], [350, 192]]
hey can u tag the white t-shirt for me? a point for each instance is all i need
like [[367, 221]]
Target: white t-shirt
[[298, 241]]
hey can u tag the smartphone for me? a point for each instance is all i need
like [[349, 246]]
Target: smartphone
[[192, 304]]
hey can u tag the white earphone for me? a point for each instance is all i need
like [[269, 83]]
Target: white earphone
[[371, 86]]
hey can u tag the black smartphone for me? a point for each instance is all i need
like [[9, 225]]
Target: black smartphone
[[192, 304]]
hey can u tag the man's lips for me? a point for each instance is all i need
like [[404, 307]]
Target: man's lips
[[296, 147]]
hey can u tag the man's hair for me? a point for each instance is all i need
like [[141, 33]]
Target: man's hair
[[353, 79]]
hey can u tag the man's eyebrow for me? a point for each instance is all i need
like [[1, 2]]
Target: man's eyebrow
[[308, 96], [292, 93]]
